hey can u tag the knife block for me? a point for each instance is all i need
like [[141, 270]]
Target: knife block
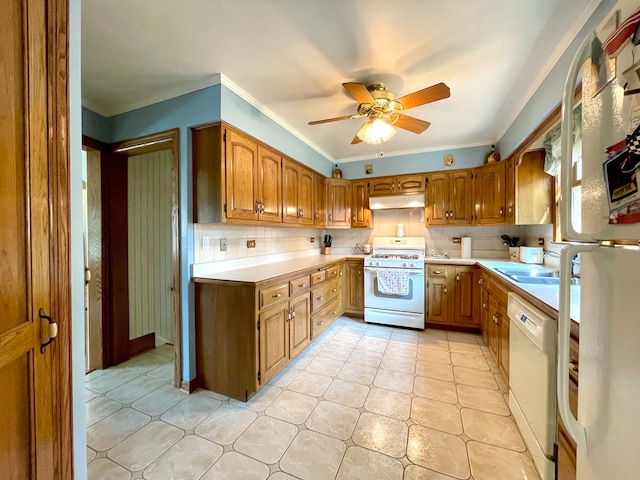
[[325, 250]]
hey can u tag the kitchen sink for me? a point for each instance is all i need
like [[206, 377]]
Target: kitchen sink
[[534, 275]]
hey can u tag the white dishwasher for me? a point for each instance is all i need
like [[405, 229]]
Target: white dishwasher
[[532, 380]]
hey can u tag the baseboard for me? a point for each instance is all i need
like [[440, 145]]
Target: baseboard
[[188, 386], [142, 344]]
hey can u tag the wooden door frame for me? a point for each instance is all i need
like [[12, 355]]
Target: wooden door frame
[[169, 139], [59, 149]]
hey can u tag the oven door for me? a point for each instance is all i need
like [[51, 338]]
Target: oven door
[[411, 302]]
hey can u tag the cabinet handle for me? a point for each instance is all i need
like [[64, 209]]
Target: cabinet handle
[[302, 285], [334, 290], [340, 273], [445, 290], [276, 295], [446, 214], [437, 272], [257, 208], [316, 215], [293, 314], [481, 281], [319, 298], [510, 209], [457, 277], [354, 218], [330, 217], [501, 211], [484, 305], [320, 322]]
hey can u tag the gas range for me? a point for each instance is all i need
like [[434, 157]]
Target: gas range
[[397, 252]]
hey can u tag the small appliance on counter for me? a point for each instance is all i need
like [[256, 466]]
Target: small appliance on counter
[[531, 255]]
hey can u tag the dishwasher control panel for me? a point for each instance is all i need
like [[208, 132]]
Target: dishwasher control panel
[[527, 322]]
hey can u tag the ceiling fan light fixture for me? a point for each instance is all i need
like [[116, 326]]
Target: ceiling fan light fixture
[[376, 131]]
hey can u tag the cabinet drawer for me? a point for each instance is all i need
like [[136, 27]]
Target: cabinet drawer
[[325, 317], [299, 284], [318, 277], [271, 295], [333, 272], [437, 271], [322, 295]]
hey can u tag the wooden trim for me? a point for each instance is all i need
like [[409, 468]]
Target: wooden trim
[[59, 184], [142, 344], [168, 139], [94, 144], [188, 386]]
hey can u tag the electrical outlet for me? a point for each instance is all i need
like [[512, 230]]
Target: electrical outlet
[[457, 240], [312, 239], [251, 244], [223, 244], [205, 243], [541, 241]]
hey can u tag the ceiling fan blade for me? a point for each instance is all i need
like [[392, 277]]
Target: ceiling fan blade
[[327, 120], [412, 124], [430, 94], [359, 92], [355, 140]]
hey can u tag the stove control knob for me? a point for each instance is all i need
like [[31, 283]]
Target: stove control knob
[[412, 264], [404, 264], [378, 263]]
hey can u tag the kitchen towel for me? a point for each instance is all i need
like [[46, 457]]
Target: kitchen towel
[[393, 281], [466, 247]]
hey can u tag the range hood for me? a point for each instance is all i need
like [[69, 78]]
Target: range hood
[[413, 200]]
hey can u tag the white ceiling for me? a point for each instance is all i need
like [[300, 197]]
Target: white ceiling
[[290, 57]]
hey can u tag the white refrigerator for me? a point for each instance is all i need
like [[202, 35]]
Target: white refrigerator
[[607, 428]]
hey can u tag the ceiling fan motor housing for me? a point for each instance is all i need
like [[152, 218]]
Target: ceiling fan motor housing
[[385, 106]]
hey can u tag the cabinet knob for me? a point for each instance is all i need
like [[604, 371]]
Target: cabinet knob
[[457, 277], [484, 305], [320, 323], [330, 217], [334, 290], [302, 285], [319, 298], [510, 209], [445, 290], [501, 211], [446, 214], [481, 281], [354, 218], [451, 214], [277, 295], [437, 272]]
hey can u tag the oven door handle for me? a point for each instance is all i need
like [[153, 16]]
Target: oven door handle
[[409, 270]]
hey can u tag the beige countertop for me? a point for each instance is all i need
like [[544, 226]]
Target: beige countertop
[[548, 294]]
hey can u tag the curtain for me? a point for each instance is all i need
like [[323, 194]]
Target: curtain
[[552, 143]]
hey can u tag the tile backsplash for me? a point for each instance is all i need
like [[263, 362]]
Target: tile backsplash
[[485, 241]]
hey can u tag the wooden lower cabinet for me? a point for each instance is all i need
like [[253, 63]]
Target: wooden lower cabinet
[[451, 296], [494, 295], [566, 462], [354, 300], [246, 333]]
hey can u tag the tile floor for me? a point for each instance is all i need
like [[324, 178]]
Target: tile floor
[[362, 402]]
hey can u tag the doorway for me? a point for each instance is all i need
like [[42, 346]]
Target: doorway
[[137, 209]]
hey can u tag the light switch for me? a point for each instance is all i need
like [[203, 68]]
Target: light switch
[[205, 243]]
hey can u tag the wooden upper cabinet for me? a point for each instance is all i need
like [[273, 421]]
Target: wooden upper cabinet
[[411, 183], [338, 203], [397, 185], [269, 185], [489, 187], [460, 197], [297, 193], [437, 199], [319, 200], [305, 196], [382, 186], [241, 176], [529, 190], [449, 198], [360, 213]]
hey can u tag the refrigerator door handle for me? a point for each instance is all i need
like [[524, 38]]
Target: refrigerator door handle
[[566, 161], [575, 429]]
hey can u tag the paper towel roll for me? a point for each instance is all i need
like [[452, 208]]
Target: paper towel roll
[[466, 247]]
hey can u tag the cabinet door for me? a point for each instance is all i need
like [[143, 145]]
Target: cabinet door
[[484, 308], [437, 199], [299, 325], [382, 186], [355, 289], [461, 198], [241, 156], [410, 184], [342, 288], [305, 197], [290, 188], [360, 213], [338, 203], [274, 341], [320, 200], [437, 300], [493, 329], [463, 305], [490, 195], [269, 185], [504, 343], [510, 191]]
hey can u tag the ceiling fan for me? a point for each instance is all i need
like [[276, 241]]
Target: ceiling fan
[[383, 110]]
